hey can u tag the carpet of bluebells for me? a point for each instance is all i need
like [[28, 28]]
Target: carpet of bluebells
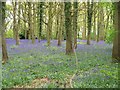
[[28, 62]]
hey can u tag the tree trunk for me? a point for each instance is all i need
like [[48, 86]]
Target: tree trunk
[[24, 16], [75, 23], [84, 28], [2, 26], [94, 27], [57, 22], [30, 23], [18, 25], [60, 25], [89, 12], [116, 43], [14, 18], [101, 24], [33, 23], [98, 23], [29, 20], [67, 10], [41, 18], [15, 23], [49, 26]]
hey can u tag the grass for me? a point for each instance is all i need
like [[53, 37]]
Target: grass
[[95, 69]]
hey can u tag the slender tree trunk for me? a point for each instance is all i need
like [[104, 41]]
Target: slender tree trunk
[[49, 26], [101, 24], [84, 28], [58, 33], [107, 24], [30, 23], [18, 27], [89, 12], [60, 25], [15, 23], [116, 43], [98, 24], [41, 18], [75, 23], [24, 16], [29, 20], [2, 26], [14, 18], [33, 23], [69, 47], [94, 27], [57, 22]]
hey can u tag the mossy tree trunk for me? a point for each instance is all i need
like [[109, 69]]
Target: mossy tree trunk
[[116, 43], [68, 27], [2, 26]]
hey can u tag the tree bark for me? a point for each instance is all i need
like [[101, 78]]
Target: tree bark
[[49, 26], [67, 10], [89, 12], [15, 23], [29, 20], [116, 43], [94, 27], [33, 23], [24, 16], [60, 25], [98, 24], [75, 23], [30, 23], [102, 32], [2, 25], [40, 19], [85, 19]]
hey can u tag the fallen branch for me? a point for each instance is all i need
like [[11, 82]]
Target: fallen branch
[[76, 68], [72, 79]]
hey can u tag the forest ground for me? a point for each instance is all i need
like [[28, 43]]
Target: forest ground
[[36, 65]]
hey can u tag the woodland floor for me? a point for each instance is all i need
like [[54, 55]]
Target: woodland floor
[[39, 66]]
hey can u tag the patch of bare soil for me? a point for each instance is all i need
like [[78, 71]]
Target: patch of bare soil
[[44, 83], [37, 83]]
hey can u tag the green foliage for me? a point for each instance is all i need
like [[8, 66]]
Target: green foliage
[[43, 36], [9, 34], [21, 35], [110, 35]]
